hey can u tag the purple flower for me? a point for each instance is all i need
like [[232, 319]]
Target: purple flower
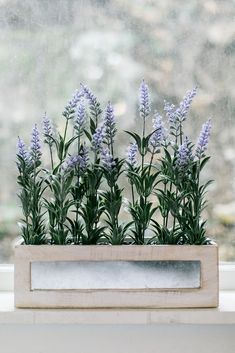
[[89, 95], [98, 138], [107, 159], [132, 154], [203, 139], [80, 161], [184, 106], [184, 155], [35, 148], [144, 100], [22, 150], [93, 102], [109, 123], [159, 136], [79, 119], [47, 129], [71, 163], [177, 115], [170, 113], [70, 107]]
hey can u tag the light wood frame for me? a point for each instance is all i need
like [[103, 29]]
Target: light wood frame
[[205, 296]]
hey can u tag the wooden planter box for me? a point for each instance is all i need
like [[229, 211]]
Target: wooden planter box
[[127, 276]]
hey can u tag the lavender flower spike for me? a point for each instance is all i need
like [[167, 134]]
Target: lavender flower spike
[[22, 151], [159, 135], [35, 148], [98, 138], [71, 105], [144, 100], [79, 119], [109, 122], [47, 129], [177, 115], [184, 155], [89, 95], [203, 139], [93, 102], [107, 159], [132, 154], [185, 104], [70, 163], [171, 114]]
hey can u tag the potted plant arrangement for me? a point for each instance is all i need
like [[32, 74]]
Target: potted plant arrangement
[[76, 249]]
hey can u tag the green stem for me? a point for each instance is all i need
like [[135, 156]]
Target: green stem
[[34, 191], [28, 207], [96, 119], [77, 203], [173, 226], [61, 203], [33, 200], [151, 161], [51, 156], [132, 193], [113, 214], [174, 218], [143, 148], [66, 128], [111, 144], [181, 134], [171, 183], [198, 185], [165, 216], [142, 168], [64, 138]]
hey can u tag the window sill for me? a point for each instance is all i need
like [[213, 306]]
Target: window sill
[[224, 315]]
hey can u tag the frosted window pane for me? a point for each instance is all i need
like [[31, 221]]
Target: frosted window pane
[[49, 47], [115, 275]]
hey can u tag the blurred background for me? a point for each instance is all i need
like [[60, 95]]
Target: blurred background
[[48, 47]]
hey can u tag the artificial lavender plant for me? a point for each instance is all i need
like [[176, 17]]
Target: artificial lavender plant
[[28, 162], [181, 199], [112, 170], [141, 177], [92, 208], [78, 198]]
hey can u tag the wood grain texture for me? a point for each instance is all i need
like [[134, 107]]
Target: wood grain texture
[[205, 296]]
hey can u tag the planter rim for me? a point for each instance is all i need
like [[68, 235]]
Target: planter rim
[[116, 246]]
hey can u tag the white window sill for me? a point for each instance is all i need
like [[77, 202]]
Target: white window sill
[[224, 315]]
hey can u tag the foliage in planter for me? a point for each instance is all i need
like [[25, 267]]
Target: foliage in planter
[[79, 199]]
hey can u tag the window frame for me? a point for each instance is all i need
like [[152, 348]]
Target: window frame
[[6, 277]]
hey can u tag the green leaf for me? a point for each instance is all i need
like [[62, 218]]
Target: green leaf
[[60, 148], [137, 139], [203, 162], [167, 155], [88, 135], [67, 145], [92, 127]]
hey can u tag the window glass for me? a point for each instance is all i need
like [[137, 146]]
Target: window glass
[[48, 47]]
